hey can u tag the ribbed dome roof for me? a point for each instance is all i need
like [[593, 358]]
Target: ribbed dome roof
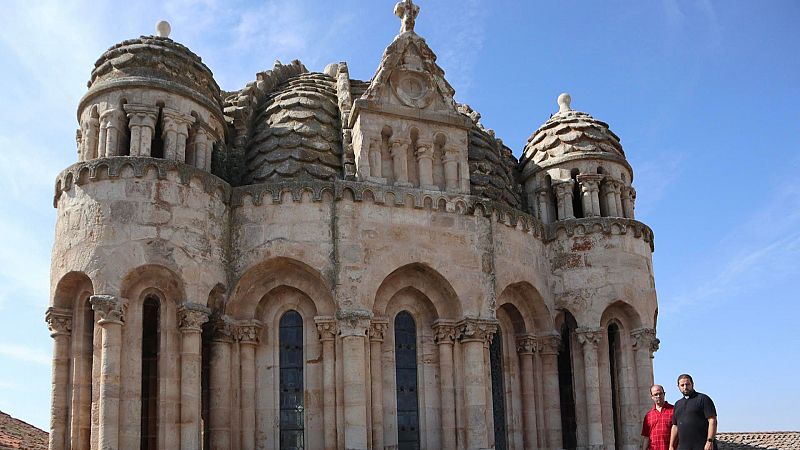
[[297, 133], [154, 58], [571, 134]]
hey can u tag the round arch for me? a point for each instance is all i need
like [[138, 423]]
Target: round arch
[[527, 300], [424, 280]]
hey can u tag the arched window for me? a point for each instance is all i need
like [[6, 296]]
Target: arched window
[[615, 364], [150, 347], [498, 391], [405, 353], [577, 194], [290, 342], [566, 384]]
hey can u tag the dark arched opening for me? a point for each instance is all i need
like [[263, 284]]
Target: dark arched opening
[[291, 380], [150, 346], [498, 391], [614, 354], [566, 384], [405, 353], [577, 196]]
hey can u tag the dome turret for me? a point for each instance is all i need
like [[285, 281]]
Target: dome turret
[[574, 166], [151, 96]]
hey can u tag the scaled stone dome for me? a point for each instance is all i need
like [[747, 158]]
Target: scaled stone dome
[[296, 133], [571, 135], [158, 62]]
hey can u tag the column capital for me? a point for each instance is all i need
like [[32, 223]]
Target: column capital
[[111, 309], [175, 120], [221, 328], [445, 332], [326, 327], [548, 344], [377, 328], [645, 339], [526, 344], [353, 322], [398, 145], [192, 316], [589, 337], [59, 321], [247, 331], [142, 115], [473, 329], [589, 181], [424, 149]]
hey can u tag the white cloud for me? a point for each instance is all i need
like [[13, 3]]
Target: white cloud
[[26, 354]]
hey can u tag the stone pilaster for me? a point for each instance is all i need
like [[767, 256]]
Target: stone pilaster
[[142, 125], [543, 202], [445, 336], [59, 322], [353, 326], [424, 154], [220, 384], [474, 334], [548, 350], [175, 131], [450, 162], [201, 148], [590, 193], [629, 201], [611, 194], [564, 199], [526, 347], [248, 333], [377, 329], [399, 154], [112, 132], [327, 330], [89, 135], [191, 317], [111, 313], [589, 340], [645, 343]]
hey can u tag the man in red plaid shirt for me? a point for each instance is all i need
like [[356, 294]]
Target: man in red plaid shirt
[[657, 422]]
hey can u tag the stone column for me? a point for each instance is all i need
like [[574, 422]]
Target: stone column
[[114, 132], [377, 329], [326, 328], [645, 344], [590, 193], [201, 149], [248, 333], [473, 334], [450, 162], [191, 317], [90, 132], [353, 325], [628, 201], [526, 346], [564, 199], [111, 312], [543, 199], [175, 130], [101, 136], [445, 335], [219, 408], [589, 339], [59, 322], [424, 155], [375, 158], [548, 350], [142, 123], [400, 162], [609, 193]]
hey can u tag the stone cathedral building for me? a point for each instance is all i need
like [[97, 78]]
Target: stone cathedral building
[[320, 262]]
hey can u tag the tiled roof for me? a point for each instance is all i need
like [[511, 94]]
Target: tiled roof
[[18, 435], [780, 440]]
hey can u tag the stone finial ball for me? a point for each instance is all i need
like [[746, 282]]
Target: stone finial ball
[[163, 29], [563, 102]]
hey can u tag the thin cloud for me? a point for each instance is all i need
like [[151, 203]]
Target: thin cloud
[[25, 354]]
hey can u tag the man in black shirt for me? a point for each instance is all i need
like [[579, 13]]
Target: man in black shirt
[[694, 420]]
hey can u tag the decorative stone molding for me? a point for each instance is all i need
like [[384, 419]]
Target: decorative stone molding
[[548, 344], [192, 316], [589, 337], [248, 331], [59, 321], [472, 329], [445, 332], [110, 308], [377, 329], [526, 344], [353, 322], [645, 339], [326, 327]]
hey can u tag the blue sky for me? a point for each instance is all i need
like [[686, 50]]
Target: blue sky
[[704, 96]]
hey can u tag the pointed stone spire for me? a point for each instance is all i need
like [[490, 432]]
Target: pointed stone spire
[[407, 11]]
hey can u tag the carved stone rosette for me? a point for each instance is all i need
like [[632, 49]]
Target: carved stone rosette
[[326, 327], [645, 338], [59, 321], [445, 332], [526, 344], [377, 328], [248, 331], [589, 337], [353, 322], [477, 330], [110, 308], [192, 316], [548, 344]]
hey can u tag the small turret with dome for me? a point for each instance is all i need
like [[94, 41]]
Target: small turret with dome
[[151, 97], [573, 166]]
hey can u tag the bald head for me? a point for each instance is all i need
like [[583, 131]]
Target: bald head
[[657, 394]]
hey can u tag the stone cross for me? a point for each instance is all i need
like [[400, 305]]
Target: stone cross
[[407, 11]]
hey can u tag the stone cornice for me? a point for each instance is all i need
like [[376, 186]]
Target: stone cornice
[[530, 169]]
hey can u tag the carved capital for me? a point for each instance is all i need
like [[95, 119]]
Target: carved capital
[[59, 321], [326, 327], [589, 337], [424, 150], [548, 344], [175, 120], [563, 187], [526, 344], [399, 147], [110, 308], [222, 328], [445, 332], [248, 331], [476, 330], [192, 316], [141, 115], [645, 339], [589, 181], [353, 322], [377, 328]]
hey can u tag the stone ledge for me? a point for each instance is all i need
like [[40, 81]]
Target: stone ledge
[[605, 225]]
